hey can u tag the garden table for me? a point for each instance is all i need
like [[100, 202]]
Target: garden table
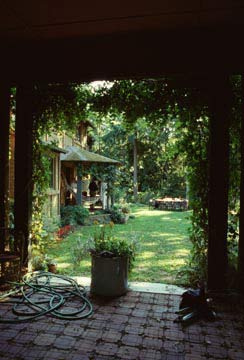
[[171, 204]]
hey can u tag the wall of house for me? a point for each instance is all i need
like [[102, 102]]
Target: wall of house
[[64, 139], [56, 192], [52, 205], [67, 172]]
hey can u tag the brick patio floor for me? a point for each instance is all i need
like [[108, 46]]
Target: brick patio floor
[[138, 325]]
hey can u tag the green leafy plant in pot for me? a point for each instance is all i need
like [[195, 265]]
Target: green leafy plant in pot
[[112, 258]]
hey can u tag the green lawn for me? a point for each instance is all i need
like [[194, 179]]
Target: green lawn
[[164, 245]]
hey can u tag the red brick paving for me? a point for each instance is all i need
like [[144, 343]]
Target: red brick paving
[[136, 326]]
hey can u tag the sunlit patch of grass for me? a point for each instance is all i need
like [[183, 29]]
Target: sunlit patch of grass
[[164, 246], [62, 265], [147, 255]]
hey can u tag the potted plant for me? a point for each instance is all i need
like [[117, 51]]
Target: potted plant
[[111, 260], [51, 265]]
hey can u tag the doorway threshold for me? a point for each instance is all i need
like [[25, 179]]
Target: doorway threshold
[[156, 288]]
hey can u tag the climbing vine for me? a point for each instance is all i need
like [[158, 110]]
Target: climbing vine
[[57, 108], [194, 143], [159, 100], [153, 104]]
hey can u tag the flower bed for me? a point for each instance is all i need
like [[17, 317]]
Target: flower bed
[[64, 231]]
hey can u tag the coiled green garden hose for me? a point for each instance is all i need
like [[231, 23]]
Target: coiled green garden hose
[[43, 293]]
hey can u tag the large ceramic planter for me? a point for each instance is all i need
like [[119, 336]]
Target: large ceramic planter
[[109, 276]]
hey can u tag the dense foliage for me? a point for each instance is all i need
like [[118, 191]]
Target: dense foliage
[[138, 128], [170, 124], [159, 131], [73, 215]]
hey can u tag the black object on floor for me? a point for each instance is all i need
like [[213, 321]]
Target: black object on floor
[[195, 305]]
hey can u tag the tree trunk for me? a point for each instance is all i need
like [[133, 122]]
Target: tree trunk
[[23, 169], [241, 232], [218, 182], [4, 161]]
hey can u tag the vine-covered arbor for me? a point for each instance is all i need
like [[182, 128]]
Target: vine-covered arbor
[[44, 42]]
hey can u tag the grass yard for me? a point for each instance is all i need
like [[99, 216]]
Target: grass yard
[[164, 246]]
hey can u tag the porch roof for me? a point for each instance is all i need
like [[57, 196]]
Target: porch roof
[[75, 153], [54, 148]]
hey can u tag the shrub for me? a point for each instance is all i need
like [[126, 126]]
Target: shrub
[[38, 263], [117, 216], [73, 215], [119, 213], [144, 197], [125, 209]]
